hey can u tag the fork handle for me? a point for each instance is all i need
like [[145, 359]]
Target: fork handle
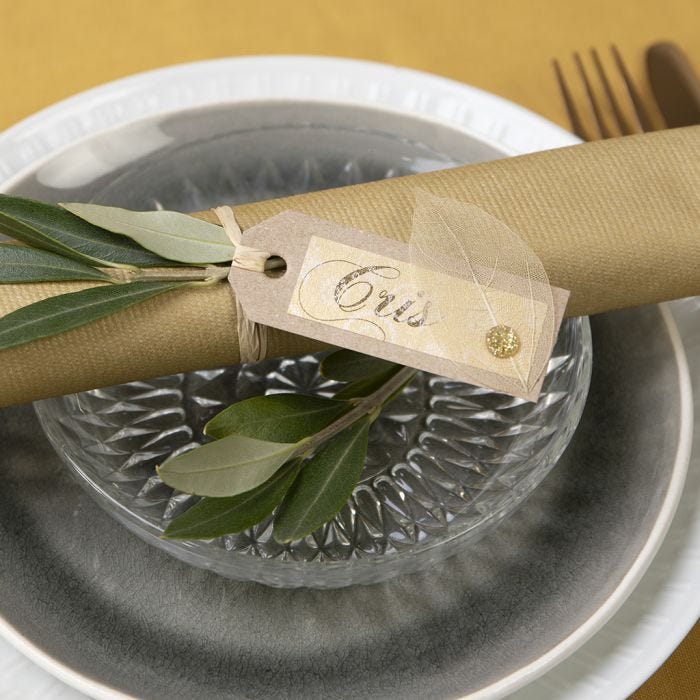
[[674, 83]]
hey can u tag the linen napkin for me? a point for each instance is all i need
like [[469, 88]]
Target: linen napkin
[[615, 222]]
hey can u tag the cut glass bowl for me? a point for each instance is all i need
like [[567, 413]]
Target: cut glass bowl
[[446, 462]]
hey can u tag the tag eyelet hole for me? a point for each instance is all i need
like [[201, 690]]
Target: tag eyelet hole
[[275, 266]]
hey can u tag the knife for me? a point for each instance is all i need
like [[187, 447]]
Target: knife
[[675, 84]]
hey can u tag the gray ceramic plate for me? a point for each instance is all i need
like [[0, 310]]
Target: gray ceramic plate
[[110, 611], [100, 601]]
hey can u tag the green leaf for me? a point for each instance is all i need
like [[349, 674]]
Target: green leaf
[[277, 417], [365, 373], [52, 228], [350, 366], [168, 233], [324, 484], [214, 517], [65, 311], [226, 467], [20, 264], [367, 385]]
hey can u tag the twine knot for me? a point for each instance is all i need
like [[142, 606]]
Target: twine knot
[[252, 336]]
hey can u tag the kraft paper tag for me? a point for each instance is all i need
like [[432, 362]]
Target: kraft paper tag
[[357, 290]]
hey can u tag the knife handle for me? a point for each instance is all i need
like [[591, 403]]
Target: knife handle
[[675, 84]]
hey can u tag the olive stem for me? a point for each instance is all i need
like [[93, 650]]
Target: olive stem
[[369, 405]]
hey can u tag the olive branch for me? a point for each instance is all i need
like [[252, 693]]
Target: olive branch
[[302, 455]]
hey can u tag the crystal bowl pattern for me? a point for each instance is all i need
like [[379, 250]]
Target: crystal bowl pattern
[[447, 461]]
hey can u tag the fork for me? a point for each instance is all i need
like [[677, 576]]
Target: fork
[[611, 122]]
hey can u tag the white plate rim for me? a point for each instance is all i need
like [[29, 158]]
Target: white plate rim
[[340, 81], [488, 117]]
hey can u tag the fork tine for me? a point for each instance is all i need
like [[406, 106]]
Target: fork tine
[[639, 108], [625, 126], [605, 131], [576, 122]]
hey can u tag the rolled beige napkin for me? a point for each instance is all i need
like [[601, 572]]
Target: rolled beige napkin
[[616, 222]]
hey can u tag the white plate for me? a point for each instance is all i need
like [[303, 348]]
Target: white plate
[[634, 642]]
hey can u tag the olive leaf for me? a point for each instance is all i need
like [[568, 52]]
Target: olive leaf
[[324, 484], [367, 385], [277, 417], [214, 517], [171, 234], [349, 366], [66, 311], [54, 229], [364, 373], [226, 467], [20, 264]]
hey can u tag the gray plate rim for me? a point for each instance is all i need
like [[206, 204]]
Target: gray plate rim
[[646, 555]]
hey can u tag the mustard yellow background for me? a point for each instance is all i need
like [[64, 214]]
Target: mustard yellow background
[[51, 49]]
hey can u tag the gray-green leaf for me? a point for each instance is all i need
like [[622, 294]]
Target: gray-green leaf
[[277, 417], [214, 517], [225, 467], [351, 366], [54, 229], [324, 484], [171, 234], [20, 264], [65, 311]]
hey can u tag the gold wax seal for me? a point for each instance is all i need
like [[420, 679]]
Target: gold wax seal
[[503, 342]]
